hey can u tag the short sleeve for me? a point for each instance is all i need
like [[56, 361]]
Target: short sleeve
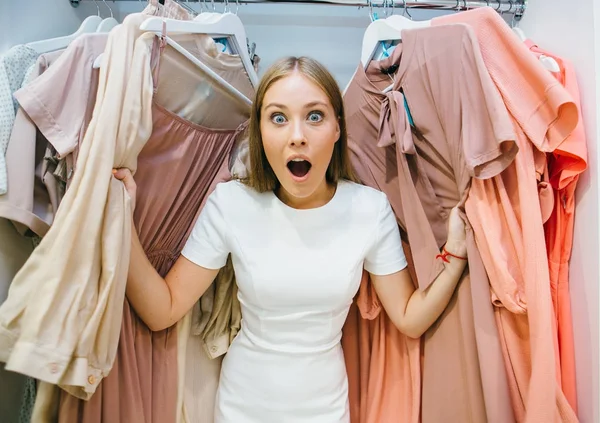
[[208, 244], [58, 100], [542, 107], [386, 255]]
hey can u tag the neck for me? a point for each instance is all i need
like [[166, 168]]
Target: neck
[[319, 198]]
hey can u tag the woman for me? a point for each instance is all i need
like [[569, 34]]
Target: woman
[[299, 232]]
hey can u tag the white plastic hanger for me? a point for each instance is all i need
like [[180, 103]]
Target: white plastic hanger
[[389, 29], [548, 62], [376, 32], [109, 23], [519, 32], [225, 25], [172, 26], [228, 25], [89, 24]]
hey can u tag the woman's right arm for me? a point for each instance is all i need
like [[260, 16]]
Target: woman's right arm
[[159, 302]]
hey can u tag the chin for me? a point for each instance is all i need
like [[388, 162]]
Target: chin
[[299, 189]]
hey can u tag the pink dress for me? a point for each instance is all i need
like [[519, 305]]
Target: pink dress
[[507, 219]]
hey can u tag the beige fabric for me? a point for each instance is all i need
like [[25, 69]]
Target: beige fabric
[[202, 378], [62, 319], [58, 108], [168, 10], [45, 409], [224, 321]]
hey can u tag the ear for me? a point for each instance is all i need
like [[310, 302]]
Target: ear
[[338, 132]]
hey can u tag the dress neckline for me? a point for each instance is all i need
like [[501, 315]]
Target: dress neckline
[[401, 57], [341, 186]]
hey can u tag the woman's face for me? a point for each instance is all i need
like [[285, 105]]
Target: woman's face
[[299, 129]]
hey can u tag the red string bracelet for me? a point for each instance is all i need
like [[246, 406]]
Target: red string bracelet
[[444, 255]]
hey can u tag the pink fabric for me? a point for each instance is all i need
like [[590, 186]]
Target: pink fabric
[[565, 165], [507, 219], [178, 168], [425, 171]]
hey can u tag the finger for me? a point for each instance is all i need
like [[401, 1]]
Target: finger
[[126, 177], [121, 173]]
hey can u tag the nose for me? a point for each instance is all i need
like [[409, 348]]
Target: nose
[[297, 137]]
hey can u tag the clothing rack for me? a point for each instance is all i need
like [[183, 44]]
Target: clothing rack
[[511, 7]]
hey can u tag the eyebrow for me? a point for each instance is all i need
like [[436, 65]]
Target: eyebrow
[[311, 104]]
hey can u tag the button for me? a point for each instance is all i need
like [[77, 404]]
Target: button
[[53, 368], [213, 349], [91, 379]]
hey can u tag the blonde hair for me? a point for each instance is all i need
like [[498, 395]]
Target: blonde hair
[[261, 176]]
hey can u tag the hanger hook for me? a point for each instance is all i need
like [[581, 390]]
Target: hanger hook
[[191, 8], [406, 13], [111, 12], [97, 7], [513, 21]]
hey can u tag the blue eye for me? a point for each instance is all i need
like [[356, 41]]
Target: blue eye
[[315, 117], [278, 118]]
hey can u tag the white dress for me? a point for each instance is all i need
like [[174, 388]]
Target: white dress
[[297, 272]]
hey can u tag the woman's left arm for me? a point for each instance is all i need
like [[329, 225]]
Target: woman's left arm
[[413, 311]]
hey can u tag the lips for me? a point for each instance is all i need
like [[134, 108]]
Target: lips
[[299, 166]]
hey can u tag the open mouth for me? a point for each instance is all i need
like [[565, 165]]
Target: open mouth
[[299, 167]]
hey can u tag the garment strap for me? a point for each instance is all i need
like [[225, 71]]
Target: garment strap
[[242, 127], [158, 46]]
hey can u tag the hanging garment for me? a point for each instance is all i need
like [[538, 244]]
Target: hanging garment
[[62, 319], [507, 221], [292, 334], [143, 384], [55, 109], [424, 178], [206, 336], [14, 65], [565, 165], [373, 383], [34, 196], [383, 365], [20, 156], [149, 361], [167, 9]]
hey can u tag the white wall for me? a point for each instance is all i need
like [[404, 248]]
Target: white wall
[[23, 21], [571, 29]]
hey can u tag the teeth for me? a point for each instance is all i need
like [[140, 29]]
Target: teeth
[[298, 160]]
